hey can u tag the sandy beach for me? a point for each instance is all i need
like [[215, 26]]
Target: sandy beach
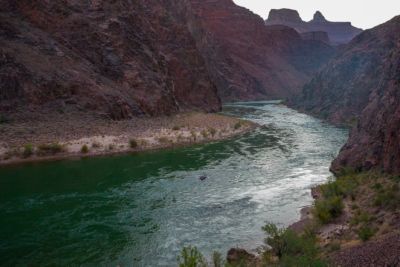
[[61, 137]]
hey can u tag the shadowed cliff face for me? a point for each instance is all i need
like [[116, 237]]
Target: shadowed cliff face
[[246, 59], [363, 82], [375, 142], [117, 58], [338, 32]]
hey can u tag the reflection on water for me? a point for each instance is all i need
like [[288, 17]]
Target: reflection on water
[[141, 209]]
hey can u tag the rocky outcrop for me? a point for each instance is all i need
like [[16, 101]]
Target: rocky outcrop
[[338, 32], [246, 59], [362, 84], [116, 58]]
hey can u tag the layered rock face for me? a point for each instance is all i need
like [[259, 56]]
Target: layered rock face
[[116, 58], [246, 59], [363, 82], [338, 32]]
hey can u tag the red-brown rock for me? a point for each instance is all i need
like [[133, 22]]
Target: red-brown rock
[[120, 58]]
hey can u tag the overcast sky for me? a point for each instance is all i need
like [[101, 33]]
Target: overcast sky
[[362, 13]]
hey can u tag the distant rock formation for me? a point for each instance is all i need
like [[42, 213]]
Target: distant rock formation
[[338, 32], [362, 83], [246, 59]]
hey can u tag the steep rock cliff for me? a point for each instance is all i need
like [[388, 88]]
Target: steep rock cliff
[[342, 89], [362, 83], [375, 142], [116, 58]]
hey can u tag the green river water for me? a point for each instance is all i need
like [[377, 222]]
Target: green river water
[[141, 209]]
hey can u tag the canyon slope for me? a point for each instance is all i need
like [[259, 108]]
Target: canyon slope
[[338, 32], [246, 59], [116, 59], [362, 83], [145, 58]]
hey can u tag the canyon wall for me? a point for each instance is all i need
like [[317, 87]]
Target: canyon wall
[[338, 32], [114, 58], [361, 86], [246, 59]]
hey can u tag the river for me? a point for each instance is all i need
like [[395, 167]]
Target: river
[[141, 209]]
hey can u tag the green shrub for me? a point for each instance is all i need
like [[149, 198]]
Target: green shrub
[[387, 199], [360, 217], [133, 143], [50, 149], [217, 259], [191, 257], [28, 151], [365, 233], [85, 149], [328, 209], [291, 248], [237, 125], [204, 133], [343, 186], [212, 132]]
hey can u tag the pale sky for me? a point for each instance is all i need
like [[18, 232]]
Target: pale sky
[[364, 14]]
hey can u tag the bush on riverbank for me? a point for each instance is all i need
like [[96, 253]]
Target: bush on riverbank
[[328, 209], [191, 257], [85, 149], [133, 143], [50, 149], [28, 151], [292, 249]]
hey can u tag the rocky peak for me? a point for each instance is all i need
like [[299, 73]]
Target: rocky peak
[[338, 32], [284, 15], [318, 17]]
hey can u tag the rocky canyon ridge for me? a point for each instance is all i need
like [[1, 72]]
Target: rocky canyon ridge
[[123, 59], [337, 32]]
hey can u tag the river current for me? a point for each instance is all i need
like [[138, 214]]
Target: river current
[[141, 209]]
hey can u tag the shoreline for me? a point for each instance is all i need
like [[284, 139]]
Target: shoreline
[[180, 130]]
